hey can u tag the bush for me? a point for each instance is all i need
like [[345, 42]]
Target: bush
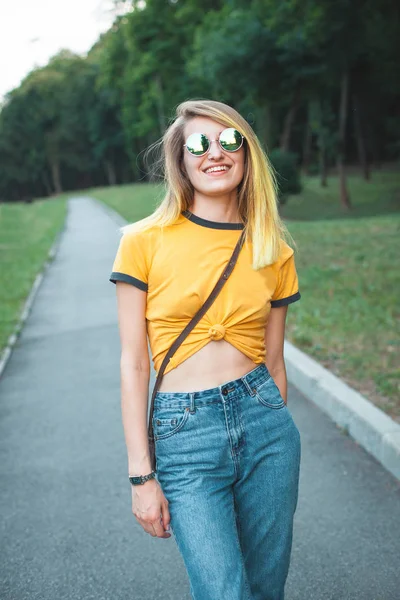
[[287, 173]]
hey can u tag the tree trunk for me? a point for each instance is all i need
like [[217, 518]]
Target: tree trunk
[[307, 144], [319, 118], [344, 91], [110, 172], [323, 169], [359, 133], [55, 174], [46, 183], [53, 159], [289, 120]]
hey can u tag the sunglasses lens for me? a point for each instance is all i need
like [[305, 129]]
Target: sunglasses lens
[[197, 144], [231, 139]]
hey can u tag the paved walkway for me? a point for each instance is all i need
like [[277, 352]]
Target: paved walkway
[[66, 524]]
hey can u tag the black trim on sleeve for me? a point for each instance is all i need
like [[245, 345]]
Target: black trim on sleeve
[[285, 301], [115, 276]]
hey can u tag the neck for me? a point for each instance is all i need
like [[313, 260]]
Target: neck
[[222, 209]]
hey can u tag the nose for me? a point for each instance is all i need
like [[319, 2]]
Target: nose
[[215, 150]]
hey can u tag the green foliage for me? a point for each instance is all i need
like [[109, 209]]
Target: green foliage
[[225, 66], [81, 121], [287, 172]]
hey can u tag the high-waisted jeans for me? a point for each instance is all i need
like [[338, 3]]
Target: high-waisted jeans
[[228, 461]]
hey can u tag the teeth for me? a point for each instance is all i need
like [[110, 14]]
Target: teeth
[[212, 169]]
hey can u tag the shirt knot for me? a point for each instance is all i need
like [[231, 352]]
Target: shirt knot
[[216, 332]]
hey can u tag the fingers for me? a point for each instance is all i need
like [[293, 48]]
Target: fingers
[[154, 528], [159, 529], [165, 516], [150, 508]]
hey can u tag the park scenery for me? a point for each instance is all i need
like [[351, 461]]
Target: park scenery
[[318, 81]]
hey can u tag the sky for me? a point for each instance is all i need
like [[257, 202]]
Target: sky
[[31, 31]]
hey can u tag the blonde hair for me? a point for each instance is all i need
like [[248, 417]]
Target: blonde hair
[[257, 193]]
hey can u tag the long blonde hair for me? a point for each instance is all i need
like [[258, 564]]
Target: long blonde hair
[[257, 192]]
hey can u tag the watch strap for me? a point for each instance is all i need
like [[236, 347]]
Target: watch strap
[[140, 479]]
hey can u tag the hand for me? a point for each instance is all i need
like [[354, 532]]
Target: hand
[[150, 507]]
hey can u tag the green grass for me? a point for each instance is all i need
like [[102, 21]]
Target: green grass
[[348, 315], [379, 196], [133, 202], [27, 232]]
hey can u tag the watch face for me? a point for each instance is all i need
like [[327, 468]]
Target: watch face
[[140, 479]]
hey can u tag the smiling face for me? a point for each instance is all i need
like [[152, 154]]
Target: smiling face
[[217, 172]]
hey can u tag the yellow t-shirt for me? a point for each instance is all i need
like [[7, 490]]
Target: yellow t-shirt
[[179, 265]]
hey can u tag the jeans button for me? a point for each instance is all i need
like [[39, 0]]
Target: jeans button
[[225, 392]]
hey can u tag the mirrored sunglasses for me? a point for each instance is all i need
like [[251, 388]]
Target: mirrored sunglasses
[[230, 140]]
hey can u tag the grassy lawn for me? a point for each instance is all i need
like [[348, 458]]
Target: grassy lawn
[[133, 202], [27, 232], [378, 197], [348, 316]]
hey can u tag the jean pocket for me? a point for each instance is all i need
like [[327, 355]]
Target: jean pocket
[[168, 421], [268, 394]]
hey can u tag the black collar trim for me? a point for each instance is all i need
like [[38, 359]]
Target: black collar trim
[[211, 224]]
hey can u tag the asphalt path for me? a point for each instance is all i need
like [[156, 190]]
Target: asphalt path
[[67, 531]]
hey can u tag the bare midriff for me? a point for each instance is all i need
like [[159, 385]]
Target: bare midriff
[[214, 364]]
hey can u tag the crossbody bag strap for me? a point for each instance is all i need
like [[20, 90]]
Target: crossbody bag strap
[[192, 324]]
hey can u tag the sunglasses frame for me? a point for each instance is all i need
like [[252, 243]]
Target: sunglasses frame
[[216, 140]]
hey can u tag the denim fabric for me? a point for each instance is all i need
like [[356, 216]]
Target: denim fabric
[[228, 461]]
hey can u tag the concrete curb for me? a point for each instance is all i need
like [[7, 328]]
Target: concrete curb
[[12, 340], [373, 429], [363, 421]]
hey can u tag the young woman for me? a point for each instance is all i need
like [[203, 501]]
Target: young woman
[[227, 448]]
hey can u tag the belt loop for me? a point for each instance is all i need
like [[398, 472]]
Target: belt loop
[[192, 404], [248, 388]]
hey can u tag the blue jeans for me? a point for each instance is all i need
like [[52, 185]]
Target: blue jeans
[[228, 461]]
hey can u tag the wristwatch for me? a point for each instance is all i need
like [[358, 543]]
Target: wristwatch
[[140, 479]]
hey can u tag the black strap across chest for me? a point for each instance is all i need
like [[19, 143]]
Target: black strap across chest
[[183, 335]]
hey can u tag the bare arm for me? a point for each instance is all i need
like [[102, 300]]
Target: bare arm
[[149, 504], [274, 340], [135, 374]]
